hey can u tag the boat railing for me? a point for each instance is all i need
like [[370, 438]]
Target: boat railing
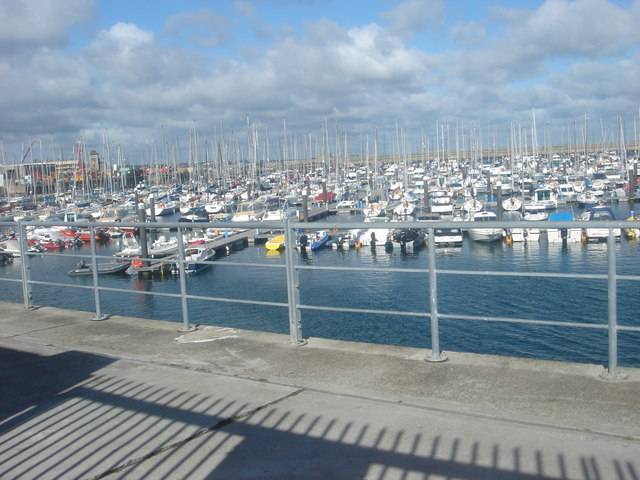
[[293, 266]]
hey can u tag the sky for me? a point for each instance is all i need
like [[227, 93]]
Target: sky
[[137, 76]]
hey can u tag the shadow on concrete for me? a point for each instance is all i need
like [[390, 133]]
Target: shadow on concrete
[[63, 418], [32, 384]]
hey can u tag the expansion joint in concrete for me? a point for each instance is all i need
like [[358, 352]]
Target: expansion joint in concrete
[[220, 424]]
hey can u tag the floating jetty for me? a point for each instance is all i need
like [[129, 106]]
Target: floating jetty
[[232, 240]]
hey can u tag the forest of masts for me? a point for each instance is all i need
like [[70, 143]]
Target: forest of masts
[[226, 157]]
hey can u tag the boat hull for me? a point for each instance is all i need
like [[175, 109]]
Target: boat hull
[[103, 269]]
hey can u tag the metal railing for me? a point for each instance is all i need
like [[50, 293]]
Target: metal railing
[[292, 266]]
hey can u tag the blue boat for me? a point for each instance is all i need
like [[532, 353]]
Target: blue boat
[[599, 213], [194, 256], [195, 214], [313, 240], [319, 240]]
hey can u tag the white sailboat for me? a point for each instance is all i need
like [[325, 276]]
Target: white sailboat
[[512, 204]]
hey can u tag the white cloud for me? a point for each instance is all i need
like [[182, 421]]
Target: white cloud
[[589, 28], [33, 23], [129, 82]]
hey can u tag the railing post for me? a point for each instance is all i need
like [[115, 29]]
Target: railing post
[[27, 293], [293, 286], [612, 295], [94, 270], [436, 354], [186, 326]]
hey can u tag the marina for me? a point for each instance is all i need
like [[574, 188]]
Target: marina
[[488, 256], [315, 240], [246, 271]]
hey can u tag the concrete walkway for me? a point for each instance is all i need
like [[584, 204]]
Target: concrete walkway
[[131, 398]]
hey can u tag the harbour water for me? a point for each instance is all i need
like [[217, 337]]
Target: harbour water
[[567, 300]]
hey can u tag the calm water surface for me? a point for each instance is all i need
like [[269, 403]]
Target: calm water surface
[[567, 300]]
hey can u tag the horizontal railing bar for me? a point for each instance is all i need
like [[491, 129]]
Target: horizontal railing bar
[[464, 317], [237, 300], [628, 328], [552, 323], [16, 280], [536, 322], [57, 284], [586, 276], [356, 269], [628, 277], [364, 310], [109, 289], [364, 269], [589, 276]]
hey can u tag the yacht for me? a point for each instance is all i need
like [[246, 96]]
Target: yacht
[[545, 197], [599, 213], [251, 211], [486, 234]]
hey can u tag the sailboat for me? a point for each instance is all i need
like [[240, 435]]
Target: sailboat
[[512, 204]]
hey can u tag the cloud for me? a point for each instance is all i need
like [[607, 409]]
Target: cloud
[[334, 58], [414, 16], [468, 34], [262, 29], [534, 43], [130, 80], [585, 28], [204, 29], [37, 23]]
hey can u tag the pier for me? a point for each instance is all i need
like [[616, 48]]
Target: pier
[[94, 395], [132, 398]]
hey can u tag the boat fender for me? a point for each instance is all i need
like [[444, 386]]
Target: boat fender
[[136, 263], [388, 246], [584, 238], [509, 239]]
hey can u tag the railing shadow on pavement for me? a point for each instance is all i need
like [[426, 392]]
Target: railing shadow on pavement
[[97, 419]]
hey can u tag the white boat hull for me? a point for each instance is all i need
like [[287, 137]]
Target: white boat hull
[[485, 235]]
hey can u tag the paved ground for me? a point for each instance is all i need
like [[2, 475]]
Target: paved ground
[[130, 398]]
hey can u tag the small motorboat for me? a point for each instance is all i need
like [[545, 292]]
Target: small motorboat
[[84, 268], [195, 214], [485, 234], [194, 256], [275, 243], [313, 240], [632, 233], [447, 237], [599, 213]]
